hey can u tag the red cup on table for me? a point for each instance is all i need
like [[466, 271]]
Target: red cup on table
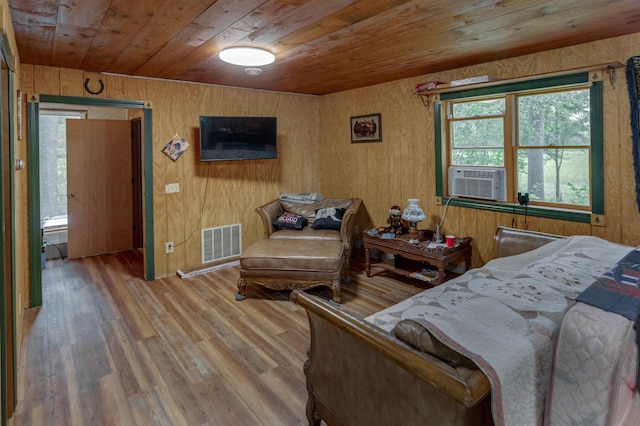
[[450, 239]]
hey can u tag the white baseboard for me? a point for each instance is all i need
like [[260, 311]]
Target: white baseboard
[[207, 269]]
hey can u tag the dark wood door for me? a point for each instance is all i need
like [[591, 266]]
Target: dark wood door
[[136, 170]]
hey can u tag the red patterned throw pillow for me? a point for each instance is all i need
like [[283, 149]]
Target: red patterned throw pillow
[[290, 221]]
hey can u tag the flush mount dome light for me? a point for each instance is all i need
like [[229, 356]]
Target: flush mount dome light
[[247, 56]]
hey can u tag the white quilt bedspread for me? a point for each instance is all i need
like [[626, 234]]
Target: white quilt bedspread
[[504, 315]]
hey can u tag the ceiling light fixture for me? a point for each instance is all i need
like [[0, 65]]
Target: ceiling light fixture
[[247, 56], [253, 71]]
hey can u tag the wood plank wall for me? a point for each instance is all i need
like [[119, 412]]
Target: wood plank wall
[[316, 153], [234, 188], [402, 165]]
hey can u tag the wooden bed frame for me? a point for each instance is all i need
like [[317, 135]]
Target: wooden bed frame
[[358, 374]]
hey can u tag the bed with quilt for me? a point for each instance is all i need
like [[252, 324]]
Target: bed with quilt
[[546, 336]]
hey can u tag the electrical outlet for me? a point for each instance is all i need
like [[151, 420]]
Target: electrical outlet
[[171, 188], [168, 248]]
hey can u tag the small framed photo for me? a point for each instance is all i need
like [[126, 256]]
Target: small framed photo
[[175, 147], [366, 128]]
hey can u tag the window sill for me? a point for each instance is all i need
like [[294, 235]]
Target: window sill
[[512, 208]]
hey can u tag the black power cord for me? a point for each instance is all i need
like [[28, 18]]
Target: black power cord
[[523, 200], [204, 201]]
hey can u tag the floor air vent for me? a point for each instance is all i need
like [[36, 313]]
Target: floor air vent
[[221, 242]]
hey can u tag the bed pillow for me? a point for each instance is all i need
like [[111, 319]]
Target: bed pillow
[[329, 218], [414, 333], [289, 220]]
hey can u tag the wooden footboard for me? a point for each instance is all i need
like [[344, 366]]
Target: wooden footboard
[[360, 374], [511, 241]]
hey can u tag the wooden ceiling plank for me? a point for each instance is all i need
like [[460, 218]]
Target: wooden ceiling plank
[[70, 45], [265, 14], [321, 46], [503, 9], [216, 19], [301, 17], [205, 56], [118, 28], [478, 51], [319, 29], [354, 36], [211, 23], [35, 20], [82, 14], [399, 40], [34, 12], [365, 11], [167, 21], [379, 67], [77, 25], [577, 23], [36, 49], [552, 14]]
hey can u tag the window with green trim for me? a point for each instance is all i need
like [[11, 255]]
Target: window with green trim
[[546, 134], [476, 132]]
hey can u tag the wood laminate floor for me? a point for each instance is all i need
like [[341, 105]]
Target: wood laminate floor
[[108, 348]]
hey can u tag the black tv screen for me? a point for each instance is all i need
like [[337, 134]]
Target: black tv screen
[[238, 138]]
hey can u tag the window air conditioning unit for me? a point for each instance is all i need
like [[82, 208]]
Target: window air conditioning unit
[[475, 182]]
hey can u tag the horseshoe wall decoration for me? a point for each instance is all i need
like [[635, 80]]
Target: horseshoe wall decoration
[[97, 92]]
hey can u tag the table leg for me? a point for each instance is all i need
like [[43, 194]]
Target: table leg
[[440, 275], [367, 261]]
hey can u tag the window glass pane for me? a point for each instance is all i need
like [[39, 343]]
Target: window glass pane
[[554, 175], [477, 157], [487, 132], [559, 119], [53, 166], [53, 160], [478, 142], [478, 108]]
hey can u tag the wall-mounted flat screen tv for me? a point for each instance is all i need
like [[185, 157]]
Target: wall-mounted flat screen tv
[[238, 138]]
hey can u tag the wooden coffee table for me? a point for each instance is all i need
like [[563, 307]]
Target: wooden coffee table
[[439, 256]]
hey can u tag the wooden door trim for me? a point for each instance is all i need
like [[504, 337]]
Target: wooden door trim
[[147, 188], [33, 196], [8, 364], [136, 172], [33, 127], [12, 159]]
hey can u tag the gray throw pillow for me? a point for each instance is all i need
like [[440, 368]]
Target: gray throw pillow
[[328, 218]]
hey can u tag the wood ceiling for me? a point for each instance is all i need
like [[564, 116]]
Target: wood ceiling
[[321, 46]]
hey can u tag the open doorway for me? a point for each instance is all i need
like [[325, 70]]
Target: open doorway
[[137, 109], [53, 180], [87, 180]]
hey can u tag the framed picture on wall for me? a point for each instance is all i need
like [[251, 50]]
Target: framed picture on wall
[[366, 128], [175, 147]]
